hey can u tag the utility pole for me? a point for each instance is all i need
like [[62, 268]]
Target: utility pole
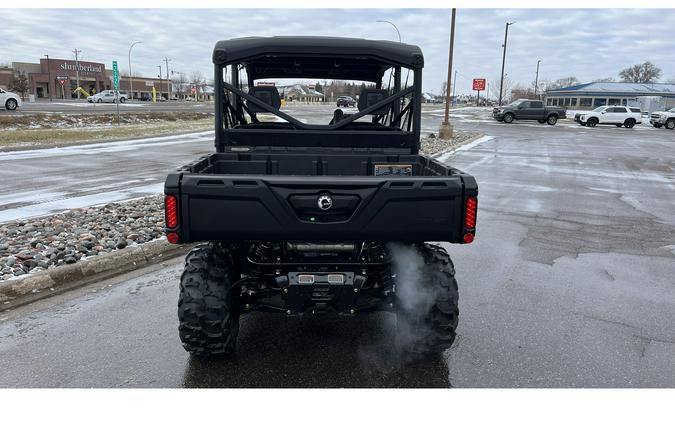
[[49, 72], [501, 83], [160, 80], [536, 79], [454, 84], [131, 79], [77, 70], [168, 84], [445, 132]]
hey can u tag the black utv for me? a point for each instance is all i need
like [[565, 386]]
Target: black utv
[[328, 218]]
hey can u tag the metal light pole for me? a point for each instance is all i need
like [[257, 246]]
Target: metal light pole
[[445, 131], [536, 79], [392, 24], [77, 70], [168, 85], [501, 83], [160, 80], [49, 72], [131, 79]]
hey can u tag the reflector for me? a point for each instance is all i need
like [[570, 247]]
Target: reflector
[[171, 211], [470, 213], [173, 238], [468, 238]]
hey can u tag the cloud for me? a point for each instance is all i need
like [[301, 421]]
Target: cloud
[[586, 43]]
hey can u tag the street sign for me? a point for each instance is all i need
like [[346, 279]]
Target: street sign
[[479, 84], [116, 76], [62, 81]]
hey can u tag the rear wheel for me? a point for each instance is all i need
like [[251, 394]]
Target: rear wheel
[[592, 122], [670, 124], [508, 118], [207, 312], [99, 100], [11, 104], [629, 123], [552, 119], [427, 324], [122, 99]]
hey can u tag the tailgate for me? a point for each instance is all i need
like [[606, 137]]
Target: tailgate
[[271, 208]]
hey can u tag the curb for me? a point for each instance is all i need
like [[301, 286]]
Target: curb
[[45, 283]]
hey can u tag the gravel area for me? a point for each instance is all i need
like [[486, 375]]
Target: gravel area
[[432, 144], [34, 245], [29, 246]]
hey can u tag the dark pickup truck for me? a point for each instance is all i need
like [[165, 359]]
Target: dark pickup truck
[[311, 219], [528, 110]]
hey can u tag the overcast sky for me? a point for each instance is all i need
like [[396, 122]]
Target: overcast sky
[[588, 44]]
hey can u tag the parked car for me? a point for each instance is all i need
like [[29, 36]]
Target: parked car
[[124, 95], [9, 100], [346, 101], [610, 115], [524, 109], [663, 118]]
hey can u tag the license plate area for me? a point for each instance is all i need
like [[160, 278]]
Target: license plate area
[[320, 292]]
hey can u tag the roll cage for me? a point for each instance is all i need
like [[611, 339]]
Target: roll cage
[[237, 122]]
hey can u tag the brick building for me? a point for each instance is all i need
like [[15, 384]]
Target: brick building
[[59, 76]]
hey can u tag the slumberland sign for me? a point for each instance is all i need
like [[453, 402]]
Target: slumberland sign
[[82, 67]]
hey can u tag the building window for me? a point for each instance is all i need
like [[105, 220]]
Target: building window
[[614, 101], [599, 102], [549, 101], [573, 102], [585, 102]]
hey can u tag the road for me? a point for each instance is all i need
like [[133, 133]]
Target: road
[[83, 107], [568, 284]]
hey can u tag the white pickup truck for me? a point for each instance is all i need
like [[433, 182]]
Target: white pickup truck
[[9, 100], [610, 115], [663, 118]]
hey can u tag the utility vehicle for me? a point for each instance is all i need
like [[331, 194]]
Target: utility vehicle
[[610, 115], [318, 219]]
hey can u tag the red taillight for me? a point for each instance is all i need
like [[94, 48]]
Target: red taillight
[[173, 238], [470, 213], [468, 238], [171, 211]]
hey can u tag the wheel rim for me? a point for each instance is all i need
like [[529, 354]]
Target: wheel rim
[[508, 118], [671, 124], [552, 120], [11, 104]]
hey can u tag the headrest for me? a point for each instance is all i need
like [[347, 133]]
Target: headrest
[[371, 96], [267, 94]]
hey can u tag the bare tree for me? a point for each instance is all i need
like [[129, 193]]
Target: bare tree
[[609, 79], [19, 83], [179, 85], [197, 81], [563, 83], [646, 72], [444, 89], [506, 91]]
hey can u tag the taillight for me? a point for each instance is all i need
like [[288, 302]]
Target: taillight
[[470, 213], [173, 237], [468, 238], [171, 211]]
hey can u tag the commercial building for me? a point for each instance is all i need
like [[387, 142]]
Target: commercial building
[[59, 76], [596, 94]]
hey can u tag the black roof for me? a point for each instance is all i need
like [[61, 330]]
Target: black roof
[[327, 57]]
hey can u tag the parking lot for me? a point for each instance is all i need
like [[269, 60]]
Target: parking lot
[[568, 284]]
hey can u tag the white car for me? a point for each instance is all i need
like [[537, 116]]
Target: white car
[[9, 100], [610, 115], [663, 118], [103, 97]]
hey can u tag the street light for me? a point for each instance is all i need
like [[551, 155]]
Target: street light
[[536, 79], [445, 132], [49, 72], [392, 24], [160, 80], [168, 86], [506, 37], [131, 81]]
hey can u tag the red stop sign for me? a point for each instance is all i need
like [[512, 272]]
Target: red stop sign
[[479, 84], [62, 81]]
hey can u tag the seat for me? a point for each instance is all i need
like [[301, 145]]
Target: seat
[[267, 94], [371, 96]]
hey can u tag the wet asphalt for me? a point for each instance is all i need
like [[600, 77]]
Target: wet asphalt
[[570, 283]]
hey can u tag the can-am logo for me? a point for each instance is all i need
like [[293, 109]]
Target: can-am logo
[[82, 67], [325, 202]]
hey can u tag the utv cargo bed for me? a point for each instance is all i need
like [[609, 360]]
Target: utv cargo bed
[[275, 196]]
